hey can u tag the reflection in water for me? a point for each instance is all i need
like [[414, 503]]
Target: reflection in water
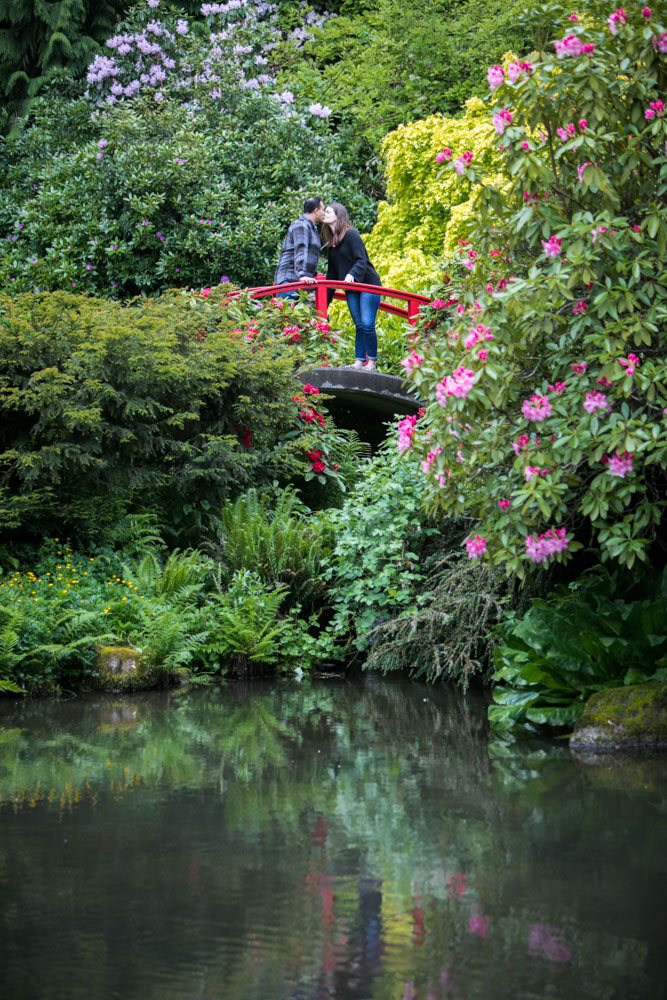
[[357, 840]]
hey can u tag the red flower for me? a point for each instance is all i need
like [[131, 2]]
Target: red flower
[[318, 466], [311, 389]]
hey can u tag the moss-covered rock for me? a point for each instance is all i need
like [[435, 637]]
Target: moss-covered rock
[[123, 668], [632, 717]]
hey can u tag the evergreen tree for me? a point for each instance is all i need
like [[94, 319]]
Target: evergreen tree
[[38, 37]]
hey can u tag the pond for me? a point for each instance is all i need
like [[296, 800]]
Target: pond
[[358, 838]]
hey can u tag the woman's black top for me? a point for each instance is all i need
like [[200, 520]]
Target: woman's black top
[[350, 257]]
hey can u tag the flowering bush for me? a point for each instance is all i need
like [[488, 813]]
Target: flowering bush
[[159, 180], [565, 267]]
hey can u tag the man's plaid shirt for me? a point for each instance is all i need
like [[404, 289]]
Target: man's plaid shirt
[[300, 253]]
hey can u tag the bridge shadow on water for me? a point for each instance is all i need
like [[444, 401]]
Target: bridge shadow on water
[[363, 401]]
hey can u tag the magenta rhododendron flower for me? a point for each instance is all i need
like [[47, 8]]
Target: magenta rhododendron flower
[[616, 20], [495, 76], [579, 367], [502, 119], [580, 308], [476, 546], [541, 547], [660, 43], [630, 364], [620, 465], [552, 246], [572, 45], [444, 156], [646, 12], [406, 431], [463, 162], [458, 384], [504, 504], [412, 361], [655, 109], [596, 401], [537, 408]]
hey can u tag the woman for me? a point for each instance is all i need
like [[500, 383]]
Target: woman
[[348, 261]]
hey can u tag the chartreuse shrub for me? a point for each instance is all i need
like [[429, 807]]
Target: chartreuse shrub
[[170, 405], [543, 363], [583, 640], [423, 217]]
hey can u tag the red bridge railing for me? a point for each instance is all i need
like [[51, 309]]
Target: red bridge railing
[[409, 311]]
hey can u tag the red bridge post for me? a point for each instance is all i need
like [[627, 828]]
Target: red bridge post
[[320, 297]]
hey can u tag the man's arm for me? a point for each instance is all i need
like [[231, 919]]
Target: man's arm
[[301, 244]]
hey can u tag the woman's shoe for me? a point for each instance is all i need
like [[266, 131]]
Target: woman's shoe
[[371, 366]]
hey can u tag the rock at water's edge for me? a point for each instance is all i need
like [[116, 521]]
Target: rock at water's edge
[[623, 718]]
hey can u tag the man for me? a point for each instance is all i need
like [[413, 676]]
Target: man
[[300, 254]]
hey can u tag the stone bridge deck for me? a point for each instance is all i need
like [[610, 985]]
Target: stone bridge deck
[[382, 395]]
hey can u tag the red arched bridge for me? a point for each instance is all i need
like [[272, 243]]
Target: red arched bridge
[[382, 394], [409, 311]]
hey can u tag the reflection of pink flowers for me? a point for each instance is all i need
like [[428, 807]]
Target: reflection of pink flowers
[[547, 942], [456, 885], [479, 925]]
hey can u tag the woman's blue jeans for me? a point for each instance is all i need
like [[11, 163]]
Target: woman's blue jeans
[[363, 308]]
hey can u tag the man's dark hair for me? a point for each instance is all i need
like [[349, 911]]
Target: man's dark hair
[[311, 205]]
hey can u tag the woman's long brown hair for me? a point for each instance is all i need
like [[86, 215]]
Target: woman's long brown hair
[[332, 235]]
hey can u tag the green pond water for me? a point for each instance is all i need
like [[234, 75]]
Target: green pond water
[[359, 839]]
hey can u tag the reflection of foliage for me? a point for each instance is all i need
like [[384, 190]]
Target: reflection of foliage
[[307, 811]]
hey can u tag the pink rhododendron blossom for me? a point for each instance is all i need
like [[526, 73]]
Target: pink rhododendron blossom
[[430, 459], [660, 44], [616, 20], [559, 387], [406, 431], [541, 547], [620, 465], [537, 408], [412, 361], [523, 444], [444, 156], [530, 471], [603, 381], [547, 942], [655, 109], [580, 308], [502, 120], [438, 304], [482, 355], [646, 12], [580, 170], [630, 364], [573, 17], [525, 145], [583, 124], [579, 367], [596, 401], [552, 246], [597, 232], [572, 45], [463, 162], [562, 134], [504, 504], [515, 69], [479, 925], [458, 384], [495, 76], [477, 333]]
